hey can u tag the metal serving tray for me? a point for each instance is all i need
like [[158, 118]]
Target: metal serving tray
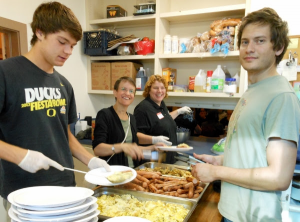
[[143, 196], [152, 165]]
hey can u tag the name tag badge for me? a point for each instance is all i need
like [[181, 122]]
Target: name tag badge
[[160, 115]]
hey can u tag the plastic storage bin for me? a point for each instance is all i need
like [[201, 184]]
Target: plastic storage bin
[[95, 43], [145, 8]]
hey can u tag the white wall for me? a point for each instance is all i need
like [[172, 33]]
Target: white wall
[[288, 10]]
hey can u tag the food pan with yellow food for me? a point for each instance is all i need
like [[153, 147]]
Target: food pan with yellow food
[[113, 202]]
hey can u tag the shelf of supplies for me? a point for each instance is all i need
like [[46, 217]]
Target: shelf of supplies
[[122, 22], [179, 94], [128, 57], [202, 55], [205, 13]]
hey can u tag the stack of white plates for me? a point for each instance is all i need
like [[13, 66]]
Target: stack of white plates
[[53, 203]]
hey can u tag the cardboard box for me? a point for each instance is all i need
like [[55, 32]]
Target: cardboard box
[[170, 75], [101, 75], [119, 69], [114, 11]]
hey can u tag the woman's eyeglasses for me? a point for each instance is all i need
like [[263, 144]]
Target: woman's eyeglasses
[[131, 91]]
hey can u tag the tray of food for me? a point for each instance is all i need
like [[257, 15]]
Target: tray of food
[[163, 179], [166, 169], [114, 202]]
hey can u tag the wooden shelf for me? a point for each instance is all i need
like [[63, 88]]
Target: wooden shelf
[[129, 57], [178, 94], [205, 14], [202, 55], [123, 22]]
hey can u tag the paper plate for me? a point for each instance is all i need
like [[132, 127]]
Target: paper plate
[[174, 148], [98, 176]]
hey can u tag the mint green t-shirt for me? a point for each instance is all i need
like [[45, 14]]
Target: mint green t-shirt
[[267, 109], [125, 124]]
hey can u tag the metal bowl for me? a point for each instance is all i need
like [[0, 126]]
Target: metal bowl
[[182, 137]]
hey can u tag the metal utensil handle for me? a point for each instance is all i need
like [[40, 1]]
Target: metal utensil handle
[[79, 171], [193, 158]]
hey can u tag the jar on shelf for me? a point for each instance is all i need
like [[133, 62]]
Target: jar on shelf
[[230, 85]]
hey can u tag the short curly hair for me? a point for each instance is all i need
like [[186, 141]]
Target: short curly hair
[[152, 80], [278, 28]]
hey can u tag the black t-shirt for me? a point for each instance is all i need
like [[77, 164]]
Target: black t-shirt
[[155, 120], [35, 110]]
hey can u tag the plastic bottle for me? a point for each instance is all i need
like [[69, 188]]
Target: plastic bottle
[[148, 73], [227, 73], [208, 81], [140, 79], [200, 82], [78, 125], [175, 45], [218, 80], [167, 44], [237, 78]]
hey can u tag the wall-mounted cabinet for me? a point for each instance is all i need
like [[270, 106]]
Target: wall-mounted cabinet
[[175, 17]]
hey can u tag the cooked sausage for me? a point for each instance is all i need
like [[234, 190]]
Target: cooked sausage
[[172, 187], [196, 195], [191, 192], [152, 188], [183, 195], [142, 179], [188, 185], [198, 190], [182, 191], [133, 186]]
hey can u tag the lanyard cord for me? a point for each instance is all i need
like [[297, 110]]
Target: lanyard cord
[[124, 137]]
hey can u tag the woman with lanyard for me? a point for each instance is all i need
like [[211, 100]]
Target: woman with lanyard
[[154, 122], [115, 134]]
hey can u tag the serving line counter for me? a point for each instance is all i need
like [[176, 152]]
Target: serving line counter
[[206, 208]]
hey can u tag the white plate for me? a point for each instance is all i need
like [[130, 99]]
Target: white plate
[[126, 219], [45, 208], [50, 196], [89, 201], [34, 216], [10, 198], [65, 217], [98, 176], [91, 217], [174, 148], [94, 219]]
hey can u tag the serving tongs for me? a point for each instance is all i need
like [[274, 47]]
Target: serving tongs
[[188, 159]]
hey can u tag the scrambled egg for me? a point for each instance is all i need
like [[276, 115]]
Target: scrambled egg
[[127, 205], [118, 177]]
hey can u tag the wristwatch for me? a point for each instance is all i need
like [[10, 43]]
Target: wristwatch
[[113, 149]]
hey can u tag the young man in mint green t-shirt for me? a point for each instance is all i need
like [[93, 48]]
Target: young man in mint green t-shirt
[[261, 145]]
